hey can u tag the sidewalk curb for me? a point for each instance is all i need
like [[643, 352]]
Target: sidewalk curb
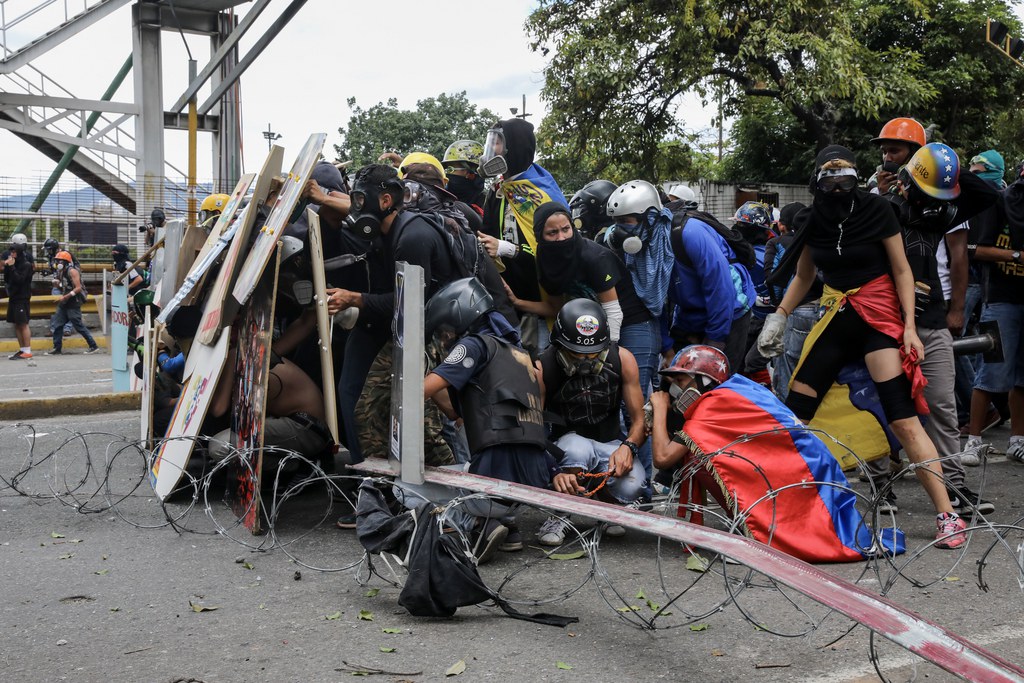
[[45, 343], [33, 408]]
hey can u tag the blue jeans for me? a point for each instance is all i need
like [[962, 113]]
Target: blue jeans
[[592, 456], [643, 340], [997, 378], [69, 315], [361, 349], [798, 326]]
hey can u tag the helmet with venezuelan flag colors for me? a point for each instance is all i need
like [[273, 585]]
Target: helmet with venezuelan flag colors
[[935, 170]]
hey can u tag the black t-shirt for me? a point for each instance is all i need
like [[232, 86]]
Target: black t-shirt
[[1005, 279], [600, 270], [848, 257]]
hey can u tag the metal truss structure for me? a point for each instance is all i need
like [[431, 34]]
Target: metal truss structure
[[118, 147]]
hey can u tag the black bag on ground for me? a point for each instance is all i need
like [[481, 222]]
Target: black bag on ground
[[743, 249], [442, 576]]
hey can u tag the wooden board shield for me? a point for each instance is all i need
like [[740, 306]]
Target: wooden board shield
[[249, 396], [323, 324], [209, 252], [172, 456], [266, 240], [214, 310], [119, 325]]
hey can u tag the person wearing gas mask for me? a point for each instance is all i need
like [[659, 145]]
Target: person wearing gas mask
[[69, 305], [932, 196], [376, 202], [753, 220], [572, 267], [490, 383], [426, 197], [50, 248], [1000, 236], [854, 238], [639, 236], [18, 271], [898, 140], [709, 293], [507, 233], [587, 377], [702, 423], [589, 208]]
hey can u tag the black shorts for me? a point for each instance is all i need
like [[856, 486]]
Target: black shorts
[[17, 311]]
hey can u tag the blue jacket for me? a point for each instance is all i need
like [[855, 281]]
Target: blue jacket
[[713, 292]]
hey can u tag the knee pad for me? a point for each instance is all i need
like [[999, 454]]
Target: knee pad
[[802, 405], [894, 395]]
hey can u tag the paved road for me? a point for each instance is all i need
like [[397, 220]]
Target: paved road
[[105, 596]]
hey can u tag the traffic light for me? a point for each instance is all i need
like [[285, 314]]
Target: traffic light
[[998, 35]]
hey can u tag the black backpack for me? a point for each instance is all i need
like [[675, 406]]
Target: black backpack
[[743, 249]]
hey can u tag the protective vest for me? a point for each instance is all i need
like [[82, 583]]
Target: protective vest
[[587, 404], [501, 405]]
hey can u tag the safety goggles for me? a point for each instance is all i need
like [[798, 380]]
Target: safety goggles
[[842, 179]]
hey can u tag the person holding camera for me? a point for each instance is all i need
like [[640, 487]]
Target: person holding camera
[[69, 305], [18, 277]]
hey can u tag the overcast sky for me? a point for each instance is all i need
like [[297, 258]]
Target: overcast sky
[[403, 49]]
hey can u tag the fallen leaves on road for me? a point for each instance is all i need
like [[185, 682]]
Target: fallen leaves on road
[[456, 668]]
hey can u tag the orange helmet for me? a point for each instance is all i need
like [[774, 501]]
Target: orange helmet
[[63, 256], [902, 130]]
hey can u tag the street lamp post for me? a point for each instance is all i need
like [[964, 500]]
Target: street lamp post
[[270, 136]]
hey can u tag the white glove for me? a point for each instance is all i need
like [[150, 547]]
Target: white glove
[[769, 342]]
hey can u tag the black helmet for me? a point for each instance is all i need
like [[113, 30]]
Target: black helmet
[[582, 327], [51, 245], [157, 218], [456, 306], [588, 206], [120, 250]]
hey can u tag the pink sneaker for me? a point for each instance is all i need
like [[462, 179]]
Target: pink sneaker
[[951, 531]]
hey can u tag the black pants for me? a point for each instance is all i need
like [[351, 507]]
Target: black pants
[[846, 339]]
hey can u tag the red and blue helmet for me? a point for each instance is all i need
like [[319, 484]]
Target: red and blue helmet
[[935, 170]]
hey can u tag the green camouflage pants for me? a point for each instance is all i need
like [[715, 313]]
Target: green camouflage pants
[[373, 413]]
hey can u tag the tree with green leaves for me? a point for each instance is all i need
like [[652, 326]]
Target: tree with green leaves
[[619, 68], [431, 127]]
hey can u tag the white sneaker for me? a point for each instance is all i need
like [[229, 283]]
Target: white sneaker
[[552, 531], [974, 453], [1016, 451]]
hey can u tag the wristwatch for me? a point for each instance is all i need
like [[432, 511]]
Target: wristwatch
[[634, 449]]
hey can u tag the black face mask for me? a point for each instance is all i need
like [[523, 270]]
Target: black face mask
[[466, 190]]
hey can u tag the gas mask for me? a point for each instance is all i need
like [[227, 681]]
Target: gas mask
[[625, 236], [575, 365], [920, 212], [683, 398], [365, 216], [492, 162]]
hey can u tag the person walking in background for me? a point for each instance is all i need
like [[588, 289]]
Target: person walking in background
[[69, 305], [18, 272]]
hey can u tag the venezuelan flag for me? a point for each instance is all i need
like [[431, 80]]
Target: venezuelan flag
[[784, 484], [527, 191]]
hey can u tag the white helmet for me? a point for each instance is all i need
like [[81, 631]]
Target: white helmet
[[684, 193], [634, 197], [18, 239]]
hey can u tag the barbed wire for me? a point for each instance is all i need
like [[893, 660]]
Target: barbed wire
[[100, 472]]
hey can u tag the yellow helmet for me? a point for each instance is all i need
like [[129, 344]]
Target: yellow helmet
[[213, 205]]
